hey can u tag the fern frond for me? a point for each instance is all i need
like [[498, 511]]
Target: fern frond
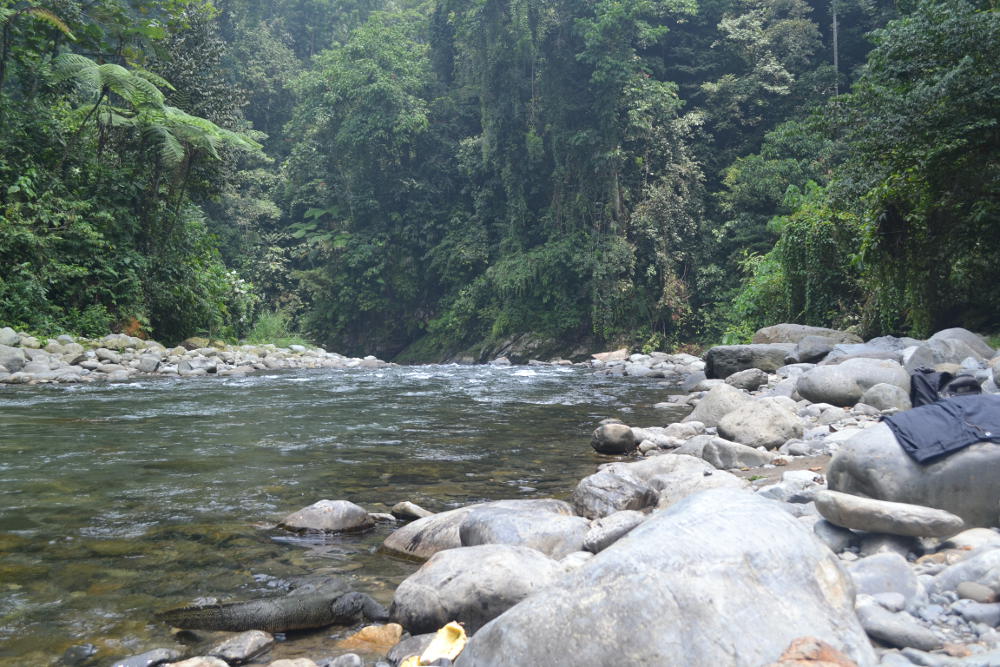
[[50, 17], [74, 66], [170, 149], [153, 78]]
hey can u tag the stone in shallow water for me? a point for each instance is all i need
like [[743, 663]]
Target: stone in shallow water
[[154, 657], [881, 516], [329, 516], [242, 647], [408, 511], [613, 439]]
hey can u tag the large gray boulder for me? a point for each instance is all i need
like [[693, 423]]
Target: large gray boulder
[[471, 585], [883, 347], [972, 340], [555, 535], [812, 349], [793, 333], [612, 489], [12, 358], [677, 476], [751, 379], [9, 337], [722, 361], [717, 403], [726, 455], [844, 384], [761, 423], [873, 465], [425, 537], [951, 346], [722, 578], [887, 397]]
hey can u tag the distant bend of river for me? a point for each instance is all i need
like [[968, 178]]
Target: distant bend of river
[[120, 500]]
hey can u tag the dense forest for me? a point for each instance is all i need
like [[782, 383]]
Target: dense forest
[[423, 177]]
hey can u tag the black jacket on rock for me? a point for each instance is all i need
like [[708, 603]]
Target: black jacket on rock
[[932, 431]]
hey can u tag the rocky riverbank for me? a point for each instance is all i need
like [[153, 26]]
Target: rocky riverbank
[[117, 358], [769, 519]]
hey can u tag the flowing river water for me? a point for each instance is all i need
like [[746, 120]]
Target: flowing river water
[[121, 500]]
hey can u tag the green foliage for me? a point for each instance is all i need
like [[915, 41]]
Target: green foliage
[[476, 169], [923, 132], [275, 327], [811, 275]]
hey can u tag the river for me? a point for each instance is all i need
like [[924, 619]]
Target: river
[[120, 500]]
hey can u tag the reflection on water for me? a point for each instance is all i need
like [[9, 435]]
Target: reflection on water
[[120, 500]]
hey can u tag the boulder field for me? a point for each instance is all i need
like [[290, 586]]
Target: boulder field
[[119, 358], [769, 519]]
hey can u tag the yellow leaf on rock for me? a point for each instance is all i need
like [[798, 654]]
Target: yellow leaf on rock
[[448, 643]]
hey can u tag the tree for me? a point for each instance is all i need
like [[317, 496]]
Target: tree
[[924, 141]]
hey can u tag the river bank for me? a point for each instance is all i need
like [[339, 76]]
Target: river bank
[[118, 358]]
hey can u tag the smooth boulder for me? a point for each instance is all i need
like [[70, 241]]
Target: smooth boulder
[[696, 585], [726, 455], [612, 489], [717, 403], [887, 397], [872, 464], [793, 333], [423, 538], [613, 439], [607, 530], [751, 379], [762, 423], [555, 535], [722, 361], [882, 516], [12, 358], [471, 585], [329, 516], [844, 384]]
